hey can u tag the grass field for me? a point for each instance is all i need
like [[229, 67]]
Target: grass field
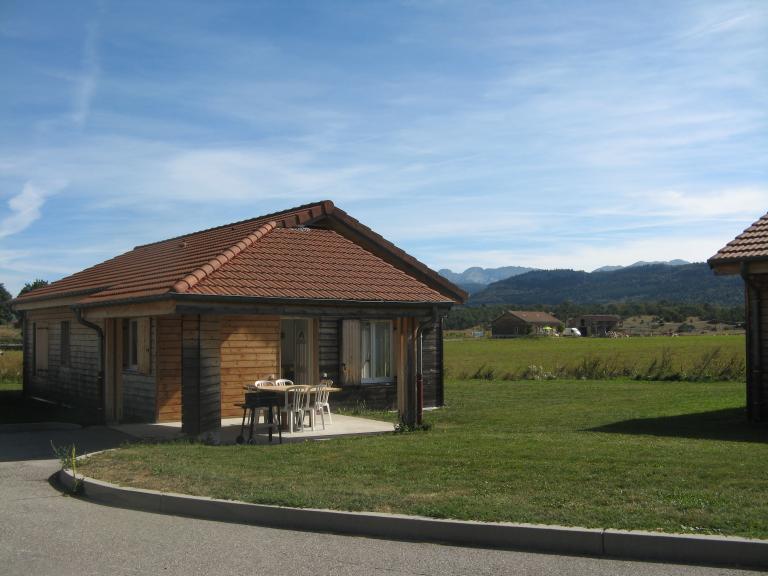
[[10, 370], [668, 456], [648, 358], [9, 334]]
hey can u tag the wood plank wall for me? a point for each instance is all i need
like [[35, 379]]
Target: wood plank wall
[[75, 384], [138, 387], [190, 375], [329, 331], [432, 364], [758, 341], [250, 351], [168, 406], [210, 373]]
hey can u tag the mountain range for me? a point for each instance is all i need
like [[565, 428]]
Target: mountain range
[[475, 279], [651, 282]]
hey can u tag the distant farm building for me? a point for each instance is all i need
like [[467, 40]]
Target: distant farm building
[[595, 324], [514, 323], [747, 255]]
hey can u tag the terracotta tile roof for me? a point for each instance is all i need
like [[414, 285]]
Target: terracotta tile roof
[[749, 245], [208, 262], [533, 317], [316, 264]]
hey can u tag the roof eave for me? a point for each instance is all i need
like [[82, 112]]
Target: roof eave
[[186, 297], [732, 266]]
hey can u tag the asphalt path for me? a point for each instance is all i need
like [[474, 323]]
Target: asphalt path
[[43, 532]]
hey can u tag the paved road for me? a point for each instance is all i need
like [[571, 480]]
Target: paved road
[[43, 532]]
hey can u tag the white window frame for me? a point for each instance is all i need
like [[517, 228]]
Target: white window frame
[[372, 348]]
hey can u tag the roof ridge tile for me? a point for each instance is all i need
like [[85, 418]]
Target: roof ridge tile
[[217, 262]]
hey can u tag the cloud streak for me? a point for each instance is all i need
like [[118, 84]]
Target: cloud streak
[[89, 75], [25, 208]]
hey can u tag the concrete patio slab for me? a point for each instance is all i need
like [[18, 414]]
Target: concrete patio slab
[[230, 430]]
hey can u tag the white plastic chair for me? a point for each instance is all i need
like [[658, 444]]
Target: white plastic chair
[[323, 400], [320, 404], [296, 405], [283, 382], [263, 411]]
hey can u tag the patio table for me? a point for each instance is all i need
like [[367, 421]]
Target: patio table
[[273, 396], [256, 399]]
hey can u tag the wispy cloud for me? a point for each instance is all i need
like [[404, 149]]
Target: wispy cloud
[[25, 207], [85, 86], [511, 134]]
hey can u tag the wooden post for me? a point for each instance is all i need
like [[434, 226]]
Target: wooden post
[[201, 378], [190, 375], [754, 313]]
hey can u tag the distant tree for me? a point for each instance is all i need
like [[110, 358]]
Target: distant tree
[[6, 315], [29, 286]]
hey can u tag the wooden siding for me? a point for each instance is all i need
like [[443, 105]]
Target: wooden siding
[[329, 341], [138, 387], [210, 374], [168, 405], [757, 347], [432, 366], [250, 350], [75, 384], [373, 396], [190, 374]]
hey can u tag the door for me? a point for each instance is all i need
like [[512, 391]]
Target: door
[[296, 342]]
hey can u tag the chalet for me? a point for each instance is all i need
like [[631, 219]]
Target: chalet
[[514, 323], [595, 324], [173, 330], [747, 255]]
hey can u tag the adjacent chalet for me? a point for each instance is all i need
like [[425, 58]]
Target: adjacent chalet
[[514, 323], [595, 324], [747, 255], [173, 330]]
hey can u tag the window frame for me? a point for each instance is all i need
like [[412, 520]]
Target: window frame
[[130, 343], [373, 349]]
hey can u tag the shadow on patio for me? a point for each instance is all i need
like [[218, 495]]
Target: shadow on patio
[[230, 429], [727, 424]]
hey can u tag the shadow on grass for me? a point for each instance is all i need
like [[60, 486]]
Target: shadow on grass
[[727, 424]]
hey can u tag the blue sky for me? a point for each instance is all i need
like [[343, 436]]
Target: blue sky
[[547, 134]]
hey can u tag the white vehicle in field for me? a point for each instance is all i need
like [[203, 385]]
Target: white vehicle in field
[[571, 332]]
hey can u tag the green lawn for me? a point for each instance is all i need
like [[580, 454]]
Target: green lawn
[[655, 357], [10, 370], [669, 456]]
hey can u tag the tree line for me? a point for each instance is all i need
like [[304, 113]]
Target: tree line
[[463, 317], [6, 313]]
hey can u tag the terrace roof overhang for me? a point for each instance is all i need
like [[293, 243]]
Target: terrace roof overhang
[[205, 304]]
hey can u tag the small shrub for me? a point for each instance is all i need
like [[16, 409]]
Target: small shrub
[[67, 456], [484, 373], [403, 428]]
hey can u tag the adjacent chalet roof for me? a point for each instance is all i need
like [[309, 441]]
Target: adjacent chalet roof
[[752, 244], [315, 252], [539, 318]]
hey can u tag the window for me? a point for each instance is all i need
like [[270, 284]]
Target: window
[[65, 343], [367, 352], [376, 346], [136, 344]]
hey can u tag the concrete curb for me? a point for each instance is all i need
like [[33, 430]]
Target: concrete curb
[[38, 426], [635, 545]]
